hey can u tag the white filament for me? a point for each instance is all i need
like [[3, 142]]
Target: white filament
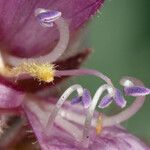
[[54, 54], [88, 120], [61, 101]]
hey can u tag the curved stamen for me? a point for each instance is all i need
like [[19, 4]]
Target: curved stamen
[[131, 110], [61, 101], [77, 72], [88, 120], [56, 52], [122, 116]]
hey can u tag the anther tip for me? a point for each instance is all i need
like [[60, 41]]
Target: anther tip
[[47, 17]]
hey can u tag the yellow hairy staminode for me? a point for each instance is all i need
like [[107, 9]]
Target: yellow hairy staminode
[[43, 72]]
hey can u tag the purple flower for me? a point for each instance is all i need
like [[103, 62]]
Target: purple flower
[[20, 33], [60, 125]]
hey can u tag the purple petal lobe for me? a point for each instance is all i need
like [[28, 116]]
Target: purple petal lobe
[[111, 138], [86, 98], [137, 91], [21, 34], [119, 99], [105, 102], [76, 100]]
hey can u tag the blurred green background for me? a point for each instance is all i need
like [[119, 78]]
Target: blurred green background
[[120, 37]]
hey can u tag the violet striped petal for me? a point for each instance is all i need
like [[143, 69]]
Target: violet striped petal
[[76, 100], [119, 99], [86, 98], [105, 102], [137, 91]]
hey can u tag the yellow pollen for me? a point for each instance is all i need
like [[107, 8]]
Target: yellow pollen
[[99, 124], [43, 72]]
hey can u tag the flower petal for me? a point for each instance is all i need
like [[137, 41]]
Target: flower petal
[[119, 99], [137, 91], [111, 138], [105, 102], [22, 35], [86, 98], [38, 117], [9, 97]]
